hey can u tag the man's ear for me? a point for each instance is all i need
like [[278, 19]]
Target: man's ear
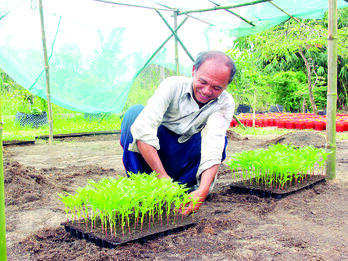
[[193, 70]]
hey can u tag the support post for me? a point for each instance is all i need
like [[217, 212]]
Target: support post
[[331, 91], [176, 36], [176, 43], [159, 48], [48, 92], [3, 254]]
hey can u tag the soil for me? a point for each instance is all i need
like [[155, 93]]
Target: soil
[[308, 225]]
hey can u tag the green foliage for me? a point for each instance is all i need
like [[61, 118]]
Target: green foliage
[[279, 50], [250, 85], [278, 165], [114, 201], [146, 83], [288, 89]]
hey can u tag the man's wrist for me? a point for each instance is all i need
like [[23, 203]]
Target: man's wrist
[[163, 176]]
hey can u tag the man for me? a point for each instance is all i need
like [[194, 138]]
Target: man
[[181, 132]]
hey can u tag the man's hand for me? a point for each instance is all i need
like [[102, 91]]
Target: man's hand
[[197, 195], [202, 192]]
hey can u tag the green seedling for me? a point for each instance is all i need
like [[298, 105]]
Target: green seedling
[[279, 166], [114, 202]]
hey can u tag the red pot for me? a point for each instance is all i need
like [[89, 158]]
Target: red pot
[[249, 122], [299, 125], [270, 122], [281, 123], [290, 124], [234, 123], [346, 125], [319, 125], [339, 126], [309, 124], [258, 123]]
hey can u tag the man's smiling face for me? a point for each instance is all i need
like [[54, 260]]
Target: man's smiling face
[[210, 80]]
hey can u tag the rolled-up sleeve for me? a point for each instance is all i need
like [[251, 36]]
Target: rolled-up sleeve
[[213, 136], [145, 126]]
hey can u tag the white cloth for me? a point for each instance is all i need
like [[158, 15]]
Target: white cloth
[[173, 106]]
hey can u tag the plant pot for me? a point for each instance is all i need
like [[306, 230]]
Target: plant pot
[[319, 125], [33, 120], [309, 124], [340, 126], [290, 124], [299, 125], [346, 125], [270, 122], [281, 124], [258, 123], [249, 122]]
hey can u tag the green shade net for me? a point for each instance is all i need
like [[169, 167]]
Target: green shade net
[[97, 49]]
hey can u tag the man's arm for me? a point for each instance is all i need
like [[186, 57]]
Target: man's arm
[[201, 193], [150, 155]]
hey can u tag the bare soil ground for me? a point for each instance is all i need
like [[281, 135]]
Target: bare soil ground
[[308, 225]]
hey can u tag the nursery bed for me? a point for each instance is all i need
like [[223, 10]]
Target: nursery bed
[[250, 187], [308, 225]]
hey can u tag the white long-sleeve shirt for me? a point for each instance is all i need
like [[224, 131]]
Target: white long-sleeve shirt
[[173, 106]]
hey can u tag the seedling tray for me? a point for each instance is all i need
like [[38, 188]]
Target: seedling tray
[[249, 187], [101, 240]]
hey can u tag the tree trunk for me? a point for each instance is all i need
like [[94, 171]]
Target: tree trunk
[[308, 67], [304, 105]]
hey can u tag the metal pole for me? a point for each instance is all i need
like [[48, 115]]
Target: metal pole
[[48, 94], [3, 255], [176, 43], [331, 90]]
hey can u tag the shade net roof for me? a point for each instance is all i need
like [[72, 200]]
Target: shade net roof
[[96, 49]]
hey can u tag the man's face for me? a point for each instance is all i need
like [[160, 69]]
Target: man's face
[[209, 81]]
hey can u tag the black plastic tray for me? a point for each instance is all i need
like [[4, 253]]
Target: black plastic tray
[[102, 242], [267, 193]]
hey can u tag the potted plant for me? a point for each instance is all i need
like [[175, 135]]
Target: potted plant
[[32, 111]]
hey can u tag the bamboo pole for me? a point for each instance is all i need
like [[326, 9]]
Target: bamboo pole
[[176, 43], [48, 92], [176, 36], [159, 48], [285, 12], [3, 254], [231, 12], [223, 7], [331, 90], [131, 5], [238, 121]]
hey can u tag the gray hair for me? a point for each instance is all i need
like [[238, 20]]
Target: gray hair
[[208, 55]]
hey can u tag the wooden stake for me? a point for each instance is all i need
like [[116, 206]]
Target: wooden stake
[[48, 93], [331, 90], [3, 255], [176, 43]]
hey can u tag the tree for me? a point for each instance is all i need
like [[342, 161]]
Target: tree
[[301, 46]]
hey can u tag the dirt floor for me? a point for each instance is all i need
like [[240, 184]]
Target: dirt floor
[[308, 225]]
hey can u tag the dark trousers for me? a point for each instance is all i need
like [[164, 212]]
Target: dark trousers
[[180, 160]]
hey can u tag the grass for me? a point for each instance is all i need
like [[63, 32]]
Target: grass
[[74, 123], [259, 131]]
